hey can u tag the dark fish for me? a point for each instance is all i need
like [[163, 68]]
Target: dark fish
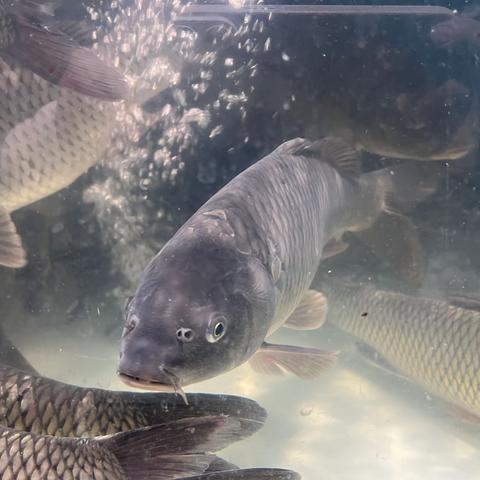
[[241, 267], [430, 341], [173, 450], [43, 406], [440, 123], [29, 36]]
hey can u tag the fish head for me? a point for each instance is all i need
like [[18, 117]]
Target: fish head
[[196, 314]]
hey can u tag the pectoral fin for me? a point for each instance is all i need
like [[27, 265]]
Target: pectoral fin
[[306, 363], [12, 253], [334, 247], [310, 314]]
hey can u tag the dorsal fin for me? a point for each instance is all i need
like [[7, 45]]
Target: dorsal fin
[[339, 154], [334, 150]]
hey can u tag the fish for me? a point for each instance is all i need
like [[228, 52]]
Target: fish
[[31, 37], [45, 153], [432, 342], [438, 123], [50, 136], [172, 450], [43, 406], [240, 268]]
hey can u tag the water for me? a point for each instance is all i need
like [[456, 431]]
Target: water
[[213, 90]]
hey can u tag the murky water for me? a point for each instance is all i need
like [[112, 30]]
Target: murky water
[[213, 89]]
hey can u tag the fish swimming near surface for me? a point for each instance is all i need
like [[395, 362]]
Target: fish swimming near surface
[[241, 267], [432, 342], [173, 450]]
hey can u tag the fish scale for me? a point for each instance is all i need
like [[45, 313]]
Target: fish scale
[[26, 456], [242, 265], [52, 408], [287, 211], [43, 406], [431, 342], [65, 138]]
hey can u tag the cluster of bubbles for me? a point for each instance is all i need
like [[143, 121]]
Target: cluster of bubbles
[[152, 175]]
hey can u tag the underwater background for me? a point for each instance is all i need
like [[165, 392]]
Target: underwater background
[[230, 87]]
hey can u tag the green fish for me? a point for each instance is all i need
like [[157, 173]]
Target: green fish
[[432, 342]]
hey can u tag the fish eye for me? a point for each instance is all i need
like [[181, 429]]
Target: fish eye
[[218, 330]]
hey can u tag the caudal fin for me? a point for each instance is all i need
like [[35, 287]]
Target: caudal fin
[[393, 236], [12, 253], [172, 450], [249, 474], [59, 59]]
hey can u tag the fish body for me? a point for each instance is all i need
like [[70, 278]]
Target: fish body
[[43, 406], [49, 135], [171, 450], [242, 265], [46, 152], [67, 131], [429, 341]]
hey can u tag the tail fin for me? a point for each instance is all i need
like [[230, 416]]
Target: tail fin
[[250, 474], [12, 253], [393, 236], [171, 450]]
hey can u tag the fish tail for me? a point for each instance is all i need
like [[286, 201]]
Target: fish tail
[[12, 253], [176, 449], [392, 235]]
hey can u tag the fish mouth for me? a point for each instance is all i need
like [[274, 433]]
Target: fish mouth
[[156, 386]]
